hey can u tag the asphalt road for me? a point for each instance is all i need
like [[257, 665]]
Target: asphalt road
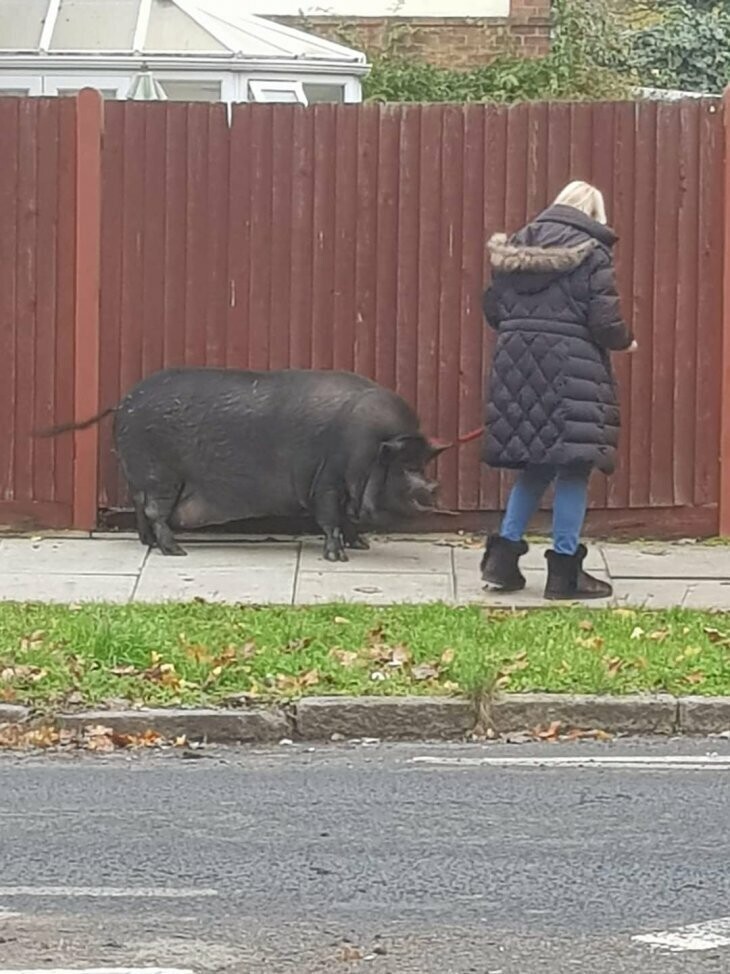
[[366, 858]]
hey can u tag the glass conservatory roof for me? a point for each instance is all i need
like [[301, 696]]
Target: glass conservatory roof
[[207, 28]]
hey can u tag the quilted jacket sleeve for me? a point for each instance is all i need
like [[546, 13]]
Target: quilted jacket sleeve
[[604, 313], [490, 307]]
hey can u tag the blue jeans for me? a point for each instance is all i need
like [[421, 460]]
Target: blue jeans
[[569, 508]]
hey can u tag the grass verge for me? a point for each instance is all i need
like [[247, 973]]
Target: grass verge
[[60, 656]]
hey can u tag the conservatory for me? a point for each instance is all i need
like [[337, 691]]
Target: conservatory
[[185, 50]]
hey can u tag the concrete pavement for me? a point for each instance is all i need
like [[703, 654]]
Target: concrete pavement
[[118, 569], [391, 859]]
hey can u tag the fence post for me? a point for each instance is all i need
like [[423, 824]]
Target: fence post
[[89, 126]]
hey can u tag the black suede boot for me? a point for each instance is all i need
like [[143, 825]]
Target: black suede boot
[[567, 581], [499, 564]]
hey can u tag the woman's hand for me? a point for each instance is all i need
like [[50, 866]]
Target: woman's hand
[[633, 346]]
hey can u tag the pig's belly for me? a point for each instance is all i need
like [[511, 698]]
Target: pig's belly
[[194, 510]]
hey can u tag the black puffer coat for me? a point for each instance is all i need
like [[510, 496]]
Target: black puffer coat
[[553, 301]]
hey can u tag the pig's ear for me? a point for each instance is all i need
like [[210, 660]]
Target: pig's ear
[[405, 448]]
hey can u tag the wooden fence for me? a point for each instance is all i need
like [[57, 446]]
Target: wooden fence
[[353, 237]]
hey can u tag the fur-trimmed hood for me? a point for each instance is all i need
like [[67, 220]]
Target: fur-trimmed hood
[[507, 257]]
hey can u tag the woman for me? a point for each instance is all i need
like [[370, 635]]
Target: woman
[[552, 409]]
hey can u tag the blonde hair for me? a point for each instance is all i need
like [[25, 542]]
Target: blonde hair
[[583, 197]]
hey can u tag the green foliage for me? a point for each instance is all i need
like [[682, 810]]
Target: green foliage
[[583, 29], [687, 48]]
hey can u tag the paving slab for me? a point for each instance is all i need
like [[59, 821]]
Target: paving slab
[[667, 561], [54, 587], [410, 557], [650, 593], [261, 556], [71, 556], [372, 588], [249, 585], [710, 595]]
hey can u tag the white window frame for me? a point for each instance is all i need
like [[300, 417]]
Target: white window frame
[[258, 84], [353, 88], [225, 79], [32, 84], [111, 82]]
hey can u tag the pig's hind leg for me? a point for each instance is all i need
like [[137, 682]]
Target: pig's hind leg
[[144, 528], [158, 508], [328, 512], [352, 538]]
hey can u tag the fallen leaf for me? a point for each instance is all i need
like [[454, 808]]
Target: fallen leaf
[[424, 671], [199, 654], [551, 733], [659, 635], [715, 636], [586, 625], [399, 656], [341, 621], [589, 642], [99, 738], [575, 734], [344, 657], [624, 613], [637, 633], [697, 677], [614, 665], [309, 679], [8, 695], [447, 657], [349, 953], [125, 671]]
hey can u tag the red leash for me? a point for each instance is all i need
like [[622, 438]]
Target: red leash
[[465, 438], [468, 437]]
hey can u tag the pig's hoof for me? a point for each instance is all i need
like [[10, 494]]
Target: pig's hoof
[[173, 550], [358, 544], [335, 554]]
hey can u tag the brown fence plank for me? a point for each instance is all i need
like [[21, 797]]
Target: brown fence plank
[[346, 207], [409, 194], [386, 280], [643, 304], [429, 255], [495, 221], [622, 219], [665, 278], [9, 170], [65, 300], [450, 274], [239, 240], [218, 286], [46, 291], [282, 149], [323, 236], [709, 402], [471, 380], [25, 306], [684, 380], [153, 242]]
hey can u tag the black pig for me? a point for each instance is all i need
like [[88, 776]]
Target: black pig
[[208, 446]]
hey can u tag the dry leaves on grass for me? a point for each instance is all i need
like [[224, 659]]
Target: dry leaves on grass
[[383, 660]]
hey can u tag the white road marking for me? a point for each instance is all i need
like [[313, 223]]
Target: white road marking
[[7, 914], [657, 762], [696, 936], [108, 892]]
